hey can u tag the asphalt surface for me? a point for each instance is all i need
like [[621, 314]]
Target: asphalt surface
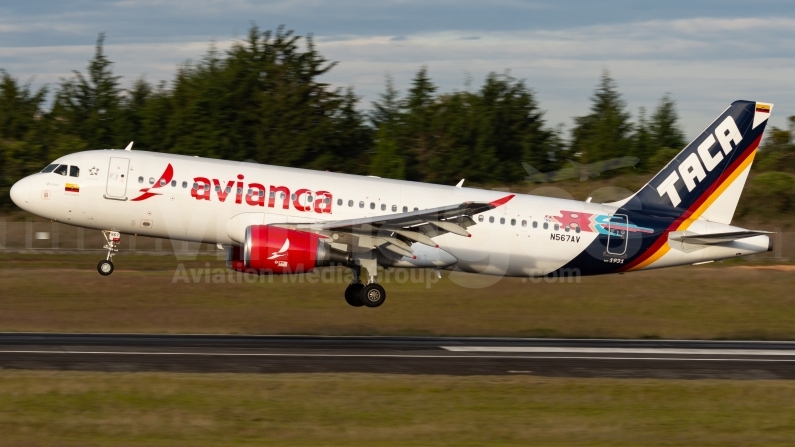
[[400, 355]]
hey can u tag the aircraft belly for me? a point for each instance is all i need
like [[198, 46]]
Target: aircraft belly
[[512, 253]]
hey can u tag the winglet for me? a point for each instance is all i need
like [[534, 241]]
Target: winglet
[[460, 184], [129, 146], [502, 201]]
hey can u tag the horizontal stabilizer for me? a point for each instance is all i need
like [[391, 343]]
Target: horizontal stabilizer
[[715, 238]]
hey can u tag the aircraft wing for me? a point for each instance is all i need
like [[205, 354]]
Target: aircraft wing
[[715, 238], [396, 232]]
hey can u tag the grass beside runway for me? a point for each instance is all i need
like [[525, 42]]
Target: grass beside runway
[[64, 293], [128, 409]]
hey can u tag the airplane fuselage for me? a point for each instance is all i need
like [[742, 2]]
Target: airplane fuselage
[[213, 201]]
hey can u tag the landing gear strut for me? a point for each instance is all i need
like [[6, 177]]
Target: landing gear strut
[[112, 238]]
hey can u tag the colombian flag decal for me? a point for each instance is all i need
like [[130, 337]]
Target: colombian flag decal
[[71, 187], [763, 108]]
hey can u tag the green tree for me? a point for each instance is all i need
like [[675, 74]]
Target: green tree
[[769, 195], [605, 132], [418, 106], [664, 125], [778, 150], [20, 107], [88, 106], [23, 129], [389, 157], [666, 138]]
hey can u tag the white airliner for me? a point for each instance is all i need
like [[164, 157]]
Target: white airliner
[[283, 220]]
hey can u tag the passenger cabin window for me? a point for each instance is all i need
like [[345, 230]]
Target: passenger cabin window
[[535, 224], [350, 202], [546, 225], [361, 204], [502, 220], [480, 218], [372, 205], [513, 222], [49, 169], [577, 229], [491, 219], [61, 170], [524, 223], [151, 180], [405, 209], [394, 208], [74, 171], [195, 186], [339, 202], [383, 207], [184, 184], [173, 183], [557, 227]]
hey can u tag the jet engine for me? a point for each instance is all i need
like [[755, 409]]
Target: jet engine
[[270, 249]]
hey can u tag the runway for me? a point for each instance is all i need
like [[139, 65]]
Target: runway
[[401, 355]]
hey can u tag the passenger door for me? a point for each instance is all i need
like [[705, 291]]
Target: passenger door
[[118, 171]]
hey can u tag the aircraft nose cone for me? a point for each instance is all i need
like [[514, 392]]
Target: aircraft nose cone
[[20, 193]]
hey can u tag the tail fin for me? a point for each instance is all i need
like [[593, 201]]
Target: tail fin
[[706, 179]]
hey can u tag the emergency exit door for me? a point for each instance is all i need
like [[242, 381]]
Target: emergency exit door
[[116, 187]]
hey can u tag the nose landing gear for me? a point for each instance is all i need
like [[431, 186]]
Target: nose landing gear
[[105, 267]]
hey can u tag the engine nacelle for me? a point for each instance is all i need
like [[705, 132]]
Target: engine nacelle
[[269, 249]]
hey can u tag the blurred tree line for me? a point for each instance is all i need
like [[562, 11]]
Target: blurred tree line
[[263, 100]]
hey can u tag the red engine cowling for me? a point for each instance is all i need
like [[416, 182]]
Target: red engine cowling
[[271, 249], [277, 250]]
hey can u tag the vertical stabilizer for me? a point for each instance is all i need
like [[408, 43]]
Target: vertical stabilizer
[[706, 179]]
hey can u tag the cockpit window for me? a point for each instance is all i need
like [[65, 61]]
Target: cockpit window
[[74, 171], [61, 170], [49, 168]]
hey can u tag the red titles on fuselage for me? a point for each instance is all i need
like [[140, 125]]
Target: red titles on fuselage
[[256, 194]]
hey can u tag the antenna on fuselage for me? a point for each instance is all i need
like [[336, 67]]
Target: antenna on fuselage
[[129, 146]]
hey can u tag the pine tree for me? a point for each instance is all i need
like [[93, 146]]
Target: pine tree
[[664, 125], [418, 105], [605, 132], [87, 106]]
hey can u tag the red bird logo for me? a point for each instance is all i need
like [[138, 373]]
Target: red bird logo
[[164, 180]]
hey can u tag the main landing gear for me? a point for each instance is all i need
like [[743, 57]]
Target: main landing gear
[[358, 294], [112, 238]]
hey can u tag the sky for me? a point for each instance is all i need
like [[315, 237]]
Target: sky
[[706, 54]]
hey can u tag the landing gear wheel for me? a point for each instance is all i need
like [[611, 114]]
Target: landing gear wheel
[[372, 295], [105, 267], [352, 294]]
